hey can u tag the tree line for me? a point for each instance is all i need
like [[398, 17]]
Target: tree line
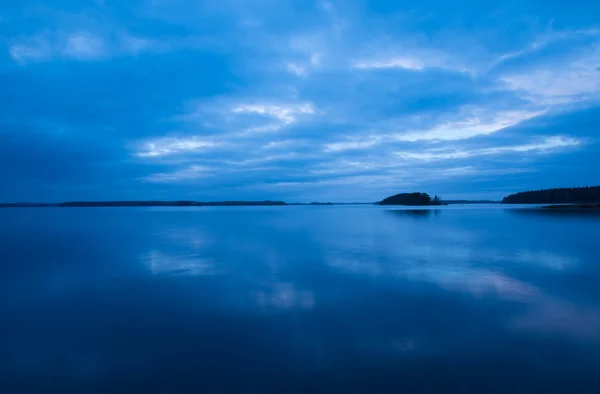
[[556, 196]]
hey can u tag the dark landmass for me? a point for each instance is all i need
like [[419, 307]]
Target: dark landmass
[[27, 205], [77, 204], [412, 199], [576, 195], [184, 203], [99, 204], [169, 203]]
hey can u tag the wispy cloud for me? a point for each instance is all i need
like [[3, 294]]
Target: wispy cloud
[[559, 67], [287, 114], [408, 63], [283, 144], [297, 69], [168, 146], [190, 173], [78, 45], [574, 80], [414, 59], [353, 144], [546, 39], [544, 146], [473, 124]]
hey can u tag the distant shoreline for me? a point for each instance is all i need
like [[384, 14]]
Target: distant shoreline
[[555, 199], [122, 204], [118, 204]]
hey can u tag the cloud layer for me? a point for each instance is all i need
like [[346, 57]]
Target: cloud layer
[[324, 100]]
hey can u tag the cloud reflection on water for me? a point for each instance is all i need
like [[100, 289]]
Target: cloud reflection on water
[[457, 258]]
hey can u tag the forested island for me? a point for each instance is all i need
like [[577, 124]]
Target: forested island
[[413, 199], [575, 195]]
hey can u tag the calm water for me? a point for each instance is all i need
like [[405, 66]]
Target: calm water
[[343, 299]]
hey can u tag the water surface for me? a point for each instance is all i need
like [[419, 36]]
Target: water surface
[[325, 299]]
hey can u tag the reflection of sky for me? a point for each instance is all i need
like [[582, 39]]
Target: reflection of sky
[[314, 288], [457, 258], [285, 296], [189, 264]]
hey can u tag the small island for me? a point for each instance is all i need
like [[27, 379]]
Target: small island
[[411, 199]]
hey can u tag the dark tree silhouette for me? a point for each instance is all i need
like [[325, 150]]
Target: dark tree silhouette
[[556, 196], [410, 199]]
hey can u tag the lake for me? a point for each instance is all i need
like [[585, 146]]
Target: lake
[[299, 299]]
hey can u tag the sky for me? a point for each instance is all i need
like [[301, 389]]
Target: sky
[[323, 100]]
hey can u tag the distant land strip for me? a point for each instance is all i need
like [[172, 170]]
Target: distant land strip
[[182, 203], [563, 196], [76, 204], [99, 204]]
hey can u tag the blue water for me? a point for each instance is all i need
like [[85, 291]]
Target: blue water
[[341, 299]]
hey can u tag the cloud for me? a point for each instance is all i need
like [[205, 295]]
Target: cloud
[[398, 62], [297, 70], [324, 98], [544, 146], [77, 45], [287, 156], [287, 114], [22, 53], [283, 144], [352, 144], [410, 56], [83, 46], [559, 68], [471, 127], [236, 117], [190, 173], [475, 124], [547, 39], [559, 84], [136, 45], [168, 146]]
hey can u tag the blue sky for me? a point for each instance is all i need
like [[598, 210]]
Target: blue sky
[[296, 100]]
